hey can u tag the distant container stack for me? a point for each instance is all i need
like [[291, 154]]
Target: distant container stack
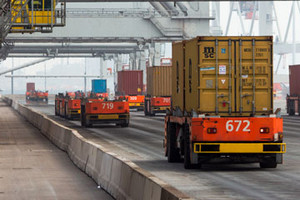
[[159, 81], [99, 86], [30, 87], [159, 90], [130, 82], [292, 100]]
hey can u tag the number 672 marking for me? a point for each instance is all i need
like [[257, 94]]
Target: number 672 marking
[[236, 125]]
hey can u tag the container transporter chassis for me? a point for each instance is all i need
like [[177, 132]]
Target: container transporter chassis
[[103, 112], [224, 140]]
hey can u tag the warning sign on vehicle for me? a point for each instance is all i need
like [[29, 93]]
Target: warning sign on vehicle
[[222, 69]]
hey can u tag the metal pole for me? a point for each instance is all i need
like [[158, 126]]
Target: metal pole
[[253, 18], [45, 77], [294, 34], [241, 20], [12, 78], [32, 19], [229, 18], [52, 5], [85, 78]]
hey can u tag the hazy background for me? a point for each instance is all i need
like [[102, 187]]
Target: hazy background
[[75, 66]]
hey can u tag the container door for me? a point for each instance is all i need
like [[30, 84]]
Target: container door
[[178, 73], [254, 72], [216, 84]]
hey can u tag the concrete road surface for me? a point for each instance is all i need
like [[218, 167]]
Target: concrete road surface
[[33, 168]]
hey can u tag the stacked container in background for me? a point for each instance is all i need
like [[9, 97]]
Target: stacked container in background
[[130, 82], [159, 89], [99, 86], [30, 87]]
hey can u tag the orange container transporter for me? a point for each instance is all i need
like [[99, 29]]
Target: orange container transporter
[[58, 99], [68, 106], [97, 111], [135, 102], [72, 108], [159, 90], [42, 96], [222, 103], [155, 105], [37, 96]]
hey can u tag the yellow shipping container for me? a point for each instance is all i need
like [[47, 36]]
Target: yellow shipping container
[[225, 76], [159, 81], [178, 75]]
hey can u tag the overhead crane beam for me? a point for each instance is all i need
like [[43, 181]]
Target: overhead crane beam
[[94, 1], [25, 65], [51, 76]]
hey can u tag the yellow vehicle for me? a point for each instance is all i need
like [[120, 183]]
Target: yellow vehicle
[[31, 15]]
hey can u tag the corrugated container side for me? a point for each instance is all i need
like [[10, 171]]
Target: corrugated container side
[[99, 86], [130, 82], [294, 71], [219, 76], [178, 75], [30, 87], [159, 81]]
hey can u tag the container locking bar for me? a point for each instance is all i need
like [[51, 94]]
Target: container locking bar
[[241, 89], [229, 77], [217, 78], [253, 72]]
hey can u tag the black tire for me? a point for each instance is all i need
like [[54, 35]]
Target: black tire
[[187, 149], [172, 149], [82, 116], [145, 108], [268, 163], [65, 111], [291, 107], [55, 109], [87, 123], [124, 125]]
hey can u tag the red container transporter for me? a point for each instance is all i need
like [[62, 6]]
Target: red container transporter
[[37, 96], [135, 102], [155, 105], [58, 100], [292, 100], [96, 111], [130, 82], [68, 106], [217, 114]]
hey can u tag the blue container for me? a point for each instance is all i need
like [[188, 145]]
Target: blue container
[[99, 85]]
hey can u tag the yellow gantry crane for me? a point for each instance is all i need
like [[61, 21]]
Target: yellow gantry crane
[[36, 15], [27, 16]]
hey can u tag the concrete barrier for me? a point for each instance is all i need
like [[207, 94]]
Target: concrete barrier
[[118, 176]]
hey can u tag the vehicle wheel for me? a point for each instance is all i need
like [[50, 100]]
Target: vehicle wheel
[[187, 149], [145, 109], [291, 112], [268, 163], [173, 150], [65, 112], [82, 116], [87, 123], [125, 125]]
